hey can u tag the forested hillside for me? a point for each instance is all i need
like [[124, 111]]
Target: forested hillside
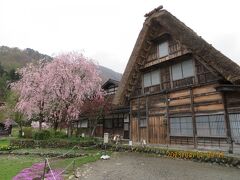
[[13, 58]]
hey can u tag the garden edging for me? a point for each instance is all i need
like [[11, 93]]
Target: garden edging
[[216, 157]]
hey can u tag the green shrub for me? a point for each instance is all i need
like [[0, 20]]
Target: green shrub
[[59, 134], [7, 147], [50, 143], [42, 135], [27, 132]]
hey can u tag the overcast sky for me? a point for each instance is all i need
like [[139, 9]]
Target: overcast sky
[[106, 30]]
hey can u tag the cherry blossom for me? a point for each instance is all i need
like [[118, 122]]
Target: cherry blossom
[[56, 90]]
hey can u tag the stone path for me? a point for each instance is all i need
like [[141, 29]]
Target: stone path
[[131, 166]]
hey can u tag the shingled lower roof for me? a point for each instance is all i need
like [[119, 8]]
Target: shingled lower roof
[[187, 37]]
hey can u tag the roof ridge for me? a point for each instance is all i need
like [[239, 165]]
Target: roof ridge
[[153, 11]]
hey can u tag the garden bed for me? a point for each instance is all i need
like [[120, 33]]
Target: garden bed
[[216, 157]]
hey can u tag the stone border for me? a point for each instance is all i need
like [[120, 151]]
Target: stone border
[[215, 157]]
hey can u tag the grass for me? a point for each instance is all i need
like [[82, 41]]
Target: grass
[[68, 164], [11, 165], [4, 142]]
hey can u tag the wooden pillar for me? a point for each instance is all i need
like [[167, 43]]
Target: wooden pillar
[[138, 120], [193, 119], [168, 119], [129, 125], [227, 122], [147, 119]]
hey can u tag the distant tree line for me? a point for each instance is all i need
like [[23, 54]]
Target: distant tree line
[[6, 78]]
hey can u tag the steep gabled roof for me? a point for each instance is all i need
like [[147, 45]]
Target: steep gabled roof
[[187, 37]]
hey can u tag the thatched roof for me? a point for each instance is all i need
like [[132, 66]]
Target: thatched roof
[[187, 37]]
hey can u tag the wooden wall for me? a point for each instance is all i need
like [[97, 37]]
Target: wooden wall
[[233, 102], [188, 102]]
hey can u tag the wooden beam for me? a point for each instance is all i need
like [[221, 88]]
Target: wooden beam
[[148, 42], [168, 119], [193, 120], [134, 76], [140, 64], [131, 83], [152, 34], [147, 118], [207, 66], [137, 69], [138, 119], [129, 89], [147, 48], [227, 122], [143, 57]]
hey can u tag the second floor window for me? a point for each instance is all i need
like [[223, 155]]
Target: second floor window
[[151, 78], [163, 49], [182, 70]]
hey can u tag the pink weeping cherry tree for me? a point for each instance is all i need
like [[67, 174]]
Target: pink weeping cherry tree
[[56, 91], [73, 79], [31, 89]]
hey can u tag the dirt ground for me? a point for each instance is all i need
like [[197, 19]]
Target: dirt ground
[[131, 166]]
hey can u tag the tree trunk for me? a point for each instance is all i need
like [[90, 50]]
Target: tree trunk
[[95, 123], [93, 131], [55, 127], [40, 125], [21, 130], [69, 129], [20, 125]]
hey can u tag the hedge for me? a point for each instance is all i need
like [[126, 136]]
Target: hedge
[[8, 147], [51, 143], [42, 135], [201, 156]]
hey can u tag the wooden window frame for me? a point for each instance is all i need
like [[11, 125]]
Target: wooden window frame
[[210, 129], [181, 63], [145, 122], [180, 124], [150, 89], [184, 81], [158, 49]]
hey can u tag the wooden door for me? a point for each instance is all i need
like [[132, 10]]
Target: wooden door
[[157, 129]]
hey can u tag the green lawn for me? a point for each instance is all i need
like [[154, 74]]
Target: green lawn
[[69, 163], [4, 141], [11, 165]]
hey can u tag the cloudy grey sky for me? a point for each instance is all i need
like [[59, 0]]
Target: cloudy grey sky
[[106, 30]]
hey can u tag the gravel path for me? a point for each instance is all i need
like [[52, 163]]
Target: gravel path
[[131, 166]]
